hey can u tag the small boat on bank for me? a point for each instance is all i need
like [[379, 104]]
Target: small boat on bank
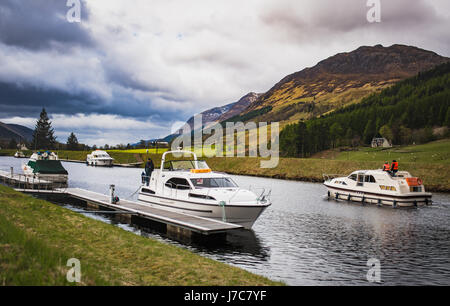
[[99, 158], [46, 166], [379, 187], [189, 186], [19, 154]]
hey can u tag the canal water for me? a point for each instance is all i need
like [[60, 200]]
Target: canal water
[[305, 239]]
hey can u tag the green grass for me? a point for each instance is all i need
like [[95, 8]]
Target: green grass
[[431, 162], [433, 152], [140, 151], [37, 238]]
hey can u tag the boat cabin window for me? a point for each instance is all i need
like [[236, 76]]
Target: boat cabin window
[[353, 177], [178, 183], [179, 165], [146, 190], [220, 182], [369, 179]]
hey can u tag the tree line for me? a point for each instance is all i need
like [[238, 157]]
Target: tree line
[[44, 139], [405, 113]]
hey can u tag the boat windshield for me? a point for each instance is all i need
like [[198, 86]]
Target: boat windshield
[[177, 165], [218, 182], [101, 155]]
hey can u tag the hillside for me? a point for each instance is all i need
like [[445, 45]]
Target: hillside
[[219, 114], [15, 131], [342, 79], [415, 110]]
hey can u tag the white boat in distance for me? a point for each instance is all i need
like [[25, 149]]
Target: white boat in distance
[[19, 154], [99, 158], [46, 166], [189, 186], [379, 187]]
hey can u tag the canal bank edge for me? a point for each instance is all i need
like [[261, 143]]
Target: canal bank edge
[[436, 176], [34, 252]]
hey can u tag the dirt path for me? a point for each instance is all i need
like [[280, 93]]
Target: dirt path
[[138, 157]]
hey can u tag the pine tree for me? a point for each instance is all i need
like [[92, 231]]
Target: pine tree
[[447, 119], [43, 137], [386, 132], [369, 132], [72, 142]]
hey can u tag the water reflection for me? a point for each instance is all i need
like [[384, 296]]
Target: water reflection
[[305, 239]]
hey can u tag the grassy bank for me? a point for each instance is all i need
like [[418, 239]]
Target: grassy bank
[[431, 162], [37, 238], [435, 176]]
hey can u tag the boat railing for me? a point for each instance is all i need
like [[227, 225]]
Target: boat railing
[[328, 177], [264, 193], [23, 181], [176, 187]]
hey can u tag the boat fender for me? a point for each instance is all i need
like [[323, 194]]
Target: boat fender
[[379, 202], [426, 201], [415, 203], [329, 195], [337, 196], [363, 199], [224, 217], [349, 197], [395, 204]]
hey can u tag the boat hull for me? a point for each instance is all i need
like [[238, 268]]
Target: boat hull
[[407, 200], [244, 215], [59, 180], [100, 163]]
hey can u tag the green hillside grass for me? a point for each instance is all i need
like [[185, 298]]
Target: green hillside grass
[[433, 152]]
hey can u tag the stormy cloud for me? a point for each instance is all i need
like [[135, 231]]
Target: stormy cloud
[[39, 24], [150, 64]]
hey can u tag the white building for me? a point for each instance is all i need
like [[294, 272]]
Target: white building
[[381, 142]]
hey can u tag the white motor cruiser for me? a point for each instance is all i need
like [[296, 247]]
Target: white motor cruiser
[[46, 166], [189, 186], [99, 158], [19, 154], [379, 187]]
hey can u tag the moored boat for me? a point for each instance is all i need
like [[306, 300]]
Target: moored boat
[[379, 187], [46, 166], [19, 154], [189, 186], [99, 158]]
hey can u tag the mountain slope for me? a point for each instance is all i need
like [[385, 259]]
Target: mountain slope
[[15, 131], [219, 114], [415, 110], [341, 80]]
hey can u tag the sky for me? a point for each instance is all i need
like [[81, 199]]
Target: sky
[[132, 70]]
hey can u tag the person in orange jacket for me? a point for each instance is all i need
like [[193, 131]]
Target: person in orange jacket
[[386, 167], [394, 167]]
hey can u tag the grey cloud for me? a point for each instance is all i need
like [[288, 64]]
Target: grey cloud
[[325, 18], [40, 24], [27, 101]]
